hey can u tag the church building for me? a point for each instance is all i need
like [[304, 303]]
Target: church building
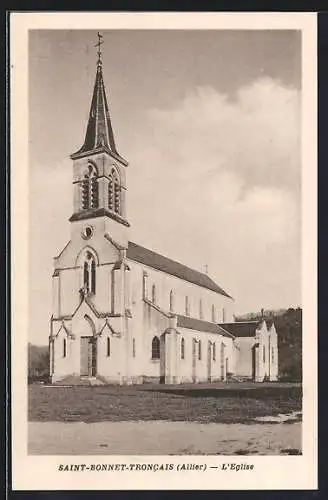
[[123, 314]]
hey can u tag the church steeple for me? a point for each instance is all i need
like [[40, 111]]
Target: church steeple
[[99, 176], [99, 134]]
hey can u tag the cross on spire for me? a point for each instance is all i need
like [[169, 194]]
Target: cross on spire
[[98, 44]]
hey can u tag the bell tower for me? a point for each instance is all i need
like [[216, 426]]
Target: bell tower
[[99, 172]]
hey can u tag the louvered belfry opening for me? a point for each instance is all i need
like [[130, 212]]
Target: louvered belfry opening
[[90, 189]]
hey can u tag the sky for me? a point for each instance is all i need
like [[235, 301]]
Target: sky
[[210, 122]]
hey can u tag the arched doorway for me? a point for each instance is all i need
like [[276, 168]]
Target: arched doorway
[[88, 349]]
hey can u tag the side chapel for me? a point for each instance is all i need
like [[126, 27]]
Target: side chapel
[[124, 314]]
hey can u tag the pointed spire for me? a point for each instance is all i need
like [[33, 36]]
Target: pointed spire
[[99, 134]]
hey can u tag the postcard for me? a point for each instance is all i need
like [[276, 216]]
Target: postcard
[[164, 273]]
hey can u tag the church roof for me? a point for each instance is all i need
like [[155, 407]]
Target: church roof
[[99, 134], [242, 328], [201, 325], [156, 261]]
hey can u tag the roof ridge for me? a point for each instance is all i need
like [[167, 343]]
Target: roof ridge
[[241, 322], [168, 260], [215, 328]]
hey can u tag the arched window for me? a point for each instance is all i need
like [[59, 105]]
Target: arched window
[[89, 273], [182, 348], [199, 350], [108, 346], [171, 301], [89, 187], [155, 348], [93, 276], [264, 354], [134, 348], [214, 351], [213, 314], [222, 352], [153, 294], [187, 305], [200, 309], [114, 192], [64, 348], [144, 285]]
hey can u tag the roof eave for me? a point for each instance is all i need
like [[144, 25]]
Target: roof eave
[[81, 153]]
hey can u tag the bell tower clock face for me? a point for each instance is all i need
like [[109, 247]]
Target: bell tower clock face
[[87, 232]]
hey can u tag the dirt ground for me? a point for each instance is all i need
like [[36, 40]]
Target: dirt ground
[[163, 438]]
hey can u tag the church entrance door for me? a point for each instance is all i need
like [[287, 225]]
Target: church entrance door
[[88, 366]]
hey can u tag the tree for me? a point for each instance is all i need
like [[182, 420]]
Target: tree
[[38, 362]]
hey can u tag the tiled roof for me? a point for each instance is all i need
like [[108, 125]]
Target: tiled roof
[[241, 329], [156, 261], [201, 325]]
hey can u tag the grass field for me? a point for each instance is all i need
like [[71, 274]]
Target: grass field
[[206, 403]]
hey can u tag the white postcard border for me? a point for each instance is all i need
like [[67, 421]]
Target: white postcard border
[[41, 472]]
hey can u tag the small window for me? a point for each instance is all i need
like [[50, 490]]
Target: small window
[[222, 353], [153, 294], [264, 354], [223, 315], [134, 348], [108, 346], [171, 301], [155, 348], [272, 354], [144, 285], [64, 348], [199, 350], [200, 309], [214, 351], [187, 305], [182, 348], [213, 314]]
